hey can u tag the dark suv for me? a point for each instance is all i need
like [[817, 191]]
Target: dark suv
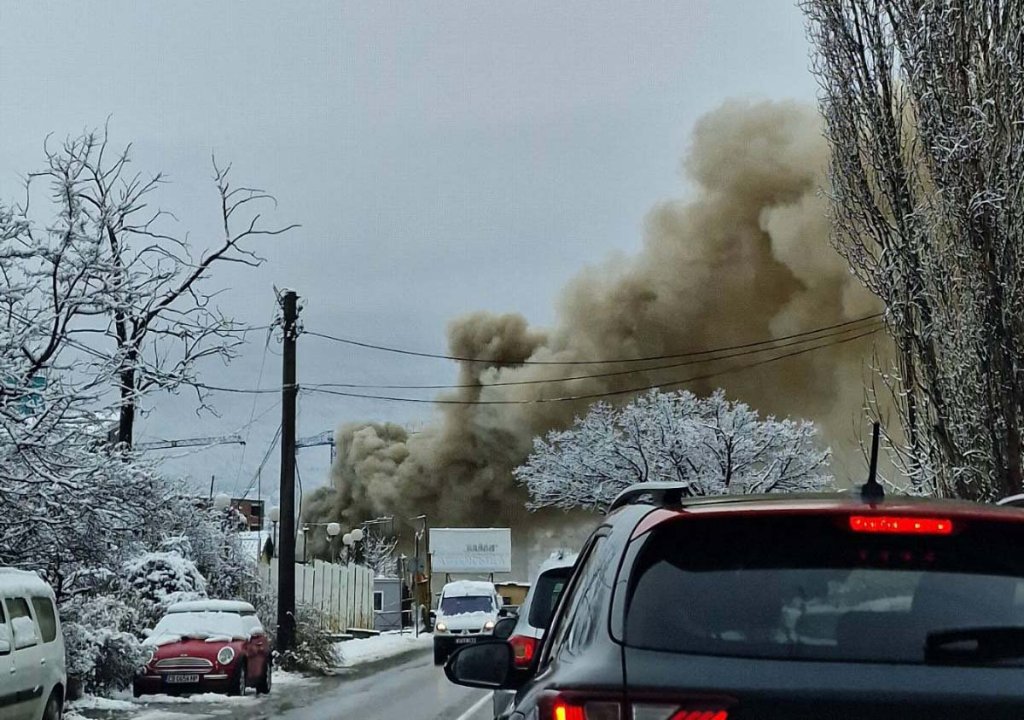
[[765, 607]]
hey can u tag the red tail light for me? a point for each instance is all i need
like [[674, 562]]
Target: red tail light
[[564, 711], [898, 525], [523, 648], [599, 706]]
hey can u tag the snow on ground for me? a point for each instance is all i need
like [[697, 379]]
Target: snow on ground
[[385, 645]]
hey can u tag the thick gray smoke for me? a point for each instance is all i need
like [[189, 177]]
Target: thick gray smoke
[[747, 258]]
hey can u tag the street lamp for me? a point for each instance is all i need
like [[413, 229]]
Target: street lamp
[[333, 530], [275, 517], [221, 501]]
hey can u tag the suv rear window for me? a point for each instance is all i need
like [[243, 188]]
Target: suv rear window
[[547, 590], [807, 587]]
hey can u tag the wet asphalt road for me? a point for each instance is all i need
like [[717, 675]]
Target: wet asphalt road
[[408, 687]]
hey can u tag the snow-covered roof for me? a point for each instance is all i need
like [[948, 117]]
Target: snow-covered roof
[[558, 559], [236, 607], [23, 582], [463, 588]]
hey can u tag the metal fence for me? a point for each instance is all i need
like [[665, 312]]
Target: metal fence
[[343, 593]]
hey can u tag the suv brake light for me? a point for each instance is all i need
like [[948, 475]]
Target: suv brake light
[[899, 525], [523, 648], [573, 706]]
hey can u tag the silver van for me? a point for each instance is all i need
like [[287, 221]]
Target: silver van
[[33, 674]]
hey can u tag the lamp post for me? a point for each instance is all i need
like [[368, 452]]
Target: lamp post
[[275, 517], [221, 502], [333, 530]]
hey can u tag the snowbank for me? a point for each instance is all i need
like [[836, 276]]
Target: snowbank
[[386, 645]]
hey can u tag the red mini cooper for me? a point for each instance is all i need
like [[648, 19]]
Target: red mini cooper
[[207, 646]]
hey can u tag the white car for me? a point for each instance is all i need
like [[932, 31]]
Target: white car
[[33, 674], [466, 610], [534, 617]]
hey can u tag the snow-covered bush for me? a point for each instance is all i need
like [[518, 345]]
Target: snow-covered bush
[[103, 651], [313, 650], [712, 445], [155, 580]]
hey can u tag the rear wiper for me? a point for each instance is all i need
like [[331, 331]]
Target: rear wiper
[[977, 645]]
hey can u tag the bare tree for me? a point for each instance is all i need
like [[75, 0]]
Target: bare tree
[[146, 292], [379, 554], [924, 102]]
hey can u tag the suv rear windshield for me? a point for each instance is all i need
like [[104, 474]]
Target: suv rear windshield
[[807, 587], [546, 592]]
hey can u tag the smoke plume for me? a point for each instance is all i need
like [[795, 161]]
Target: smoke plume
[[746, 258]]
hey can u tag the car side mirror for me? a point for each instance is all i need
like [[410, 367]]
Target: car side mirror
[[504, 628], [486, 665]]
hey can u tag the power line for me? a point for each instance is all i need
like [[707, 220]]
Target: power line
[[440, 356], [252, 413], [263, 462], [597, 395], [617, 373], [704, 357]]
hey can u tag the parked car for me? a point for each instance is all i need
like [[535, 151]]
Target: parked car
[[207, 646], [32, 666], [533, 618], [770, 607], [466, 610]]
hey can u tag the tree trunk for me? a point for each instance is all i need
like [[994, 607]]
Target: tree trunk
[[126, 421]]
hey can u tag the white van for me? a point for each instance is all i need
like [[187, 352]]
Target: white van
[[466, 610], [32, 667]]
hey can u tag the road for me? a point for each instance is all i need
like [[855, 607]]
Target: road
[[409, 687]]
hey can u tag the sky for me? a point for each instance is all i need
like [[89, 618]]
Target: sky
[[441, 158]]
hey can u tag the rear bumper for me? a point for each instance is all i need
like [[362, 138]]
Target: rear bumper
[[150, 684]]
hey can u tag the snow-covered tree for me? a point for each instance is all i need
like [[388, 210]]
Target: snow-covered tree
[[712, 445], [378, 553], [923, 104]]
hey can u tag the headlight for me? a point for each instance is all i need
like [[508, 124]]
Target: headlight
[[147, 657], [489, 625], [441, 627], [226, 655]]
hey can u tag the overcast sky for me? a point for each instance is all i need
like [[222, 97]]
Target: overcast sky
[[441, 157]]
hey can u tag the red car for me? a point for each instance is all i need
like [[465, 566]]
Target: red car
[[207, 646]]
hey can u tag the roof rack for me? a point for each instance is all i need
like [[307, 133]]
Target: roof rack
[[666, 494]]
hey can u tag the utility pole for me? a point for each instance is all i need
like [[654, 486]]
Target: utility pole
[[286, 557]]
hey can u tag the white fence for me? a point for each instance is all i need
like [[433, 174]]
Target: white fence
[[344, 593]]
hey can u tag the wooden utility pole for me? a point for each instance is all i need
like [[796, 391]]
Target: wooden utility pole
[[286, 557]]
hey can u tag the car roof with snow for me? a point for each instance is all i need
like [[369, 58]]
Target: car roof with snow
[[468, 588], [22, 582], [236, 607], [558, 559]]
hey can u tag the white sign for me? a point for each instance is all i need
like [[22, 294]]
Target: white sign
[[471, 550]]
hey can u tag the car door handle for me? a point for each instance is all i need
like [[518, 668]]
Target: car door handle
[[43, 661]]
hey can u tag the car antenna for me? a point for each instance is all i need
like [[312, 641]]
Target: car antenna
[[872, 490]]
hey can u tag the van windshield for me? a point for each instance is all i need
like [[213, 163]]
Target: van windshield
[[460, 605], [807, 587]]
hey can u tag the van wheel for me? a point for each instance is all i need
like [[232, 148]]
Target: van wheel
[[241, 680], [263, 686], [54, 709]]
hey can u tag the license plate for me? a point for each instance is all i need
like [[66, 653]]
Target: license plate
[[182, 678], [464, 641]]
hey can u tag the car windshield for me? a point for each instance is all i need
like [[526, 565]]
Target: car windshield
[[807, 587], [547, 590], [462, 604], [210, 626]]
